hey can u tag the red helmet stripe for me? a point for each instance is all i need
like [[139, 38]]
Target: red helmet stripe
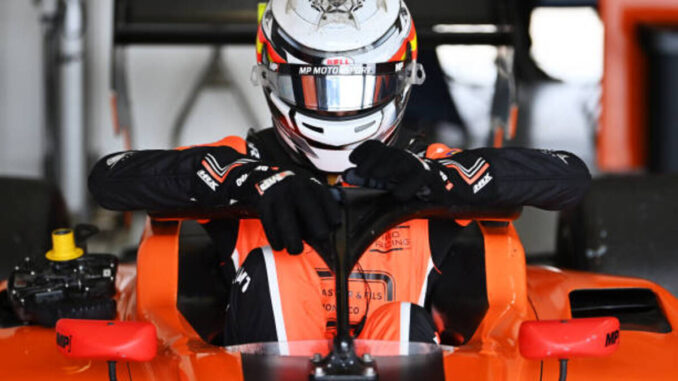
[[411, 40], [275, 57], [262, 42]]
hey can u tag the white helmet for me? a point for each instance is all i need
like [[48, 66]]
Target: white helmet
[[336, 73]]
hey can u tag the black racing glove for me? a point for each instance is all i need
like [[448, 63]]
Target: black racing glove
[[407, 175], [292, 207]]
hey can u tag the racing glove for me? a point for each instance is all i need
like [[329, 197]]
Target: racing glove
[[487, 176], [402, 172], [293, 207]]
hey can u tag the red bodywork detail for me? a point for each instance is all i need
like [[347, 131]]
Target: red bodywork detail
[[106, 340], [564, 339]]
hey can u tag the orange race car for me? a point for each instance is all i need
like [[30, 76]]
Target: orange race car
[[533, 323]]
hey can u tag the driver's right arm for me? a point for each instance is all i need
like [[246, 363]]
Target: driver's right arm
[[166, 179], [292, 207]]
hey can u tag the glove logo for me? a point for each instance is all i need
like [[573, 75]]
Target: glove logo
[[266, 183], [240, 180]]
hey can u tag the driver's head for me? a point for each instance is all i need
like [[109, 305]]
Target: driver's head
[[336, 73]]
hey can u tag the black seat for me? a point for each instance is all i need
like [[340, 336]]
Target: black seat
[[203, 284]]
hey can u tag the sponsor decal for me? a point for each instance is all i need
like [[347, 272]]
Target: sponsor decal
[[446, 180], [254, 151], [363, 288], [336, 61], [481, 184], [240, 180], [471, 174], [242, 279], [337, 70], [64, 341], [262, 168], [112, 161], [611, 338], [218, 172], [563, 157], [268, 182], [208, 180], [391, 241]]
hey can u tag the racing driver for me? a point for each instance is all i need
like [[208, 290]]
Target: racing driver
[[337, 75]]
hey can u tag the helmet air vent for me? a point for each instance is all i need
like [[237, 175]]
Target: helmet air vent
[[364, 126], [319, 130]]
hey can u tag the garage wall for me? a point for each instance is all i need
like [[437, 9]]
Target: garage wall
[[20, 89], [159, 77]]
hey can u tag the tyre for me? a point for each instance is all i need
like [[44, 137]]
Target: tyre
[[626, 225]]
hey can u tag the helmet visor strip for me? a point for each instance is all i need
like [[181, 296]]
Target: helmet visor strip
[[339, 88]]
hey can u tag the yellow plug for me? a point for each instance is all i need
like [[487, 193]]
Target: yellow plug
[[63, 246]]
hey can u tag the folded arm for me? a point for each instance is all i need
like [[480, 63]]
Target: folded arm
[[165, 179], [486, 176]]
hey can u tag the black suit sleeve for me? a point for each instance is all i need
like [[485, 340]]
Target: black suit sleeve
[[510, 177], [160, 179]]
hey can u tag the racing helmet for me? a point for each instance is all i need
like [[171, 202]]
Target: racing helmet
[[336, 73]]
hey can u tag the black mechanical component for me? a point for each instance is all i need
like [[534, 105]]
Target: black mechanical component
[[592, 237], [562, 374], [42, 291]]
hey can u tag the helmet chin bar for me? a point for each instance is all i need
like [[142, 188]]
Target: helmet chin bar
[[339, 137]]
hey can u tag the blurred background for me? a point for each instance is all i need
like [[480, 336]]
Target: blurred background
[[83, 78]]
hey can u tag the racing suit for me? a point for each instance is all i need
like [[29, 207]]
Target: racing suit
[[401, 276]]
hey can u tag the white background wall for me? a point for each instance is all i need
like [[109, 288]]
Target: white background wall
[[21, 137], [159, 76]]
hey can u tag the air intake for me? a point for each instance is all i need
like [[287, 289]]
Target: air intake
[[636, 308]]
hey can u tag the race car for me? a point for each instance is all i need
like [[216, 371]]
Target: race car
[[524, 323]]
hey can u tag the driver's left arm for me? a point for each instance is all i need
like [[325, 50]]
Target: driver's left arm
[[514, 176], [502, 177]]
